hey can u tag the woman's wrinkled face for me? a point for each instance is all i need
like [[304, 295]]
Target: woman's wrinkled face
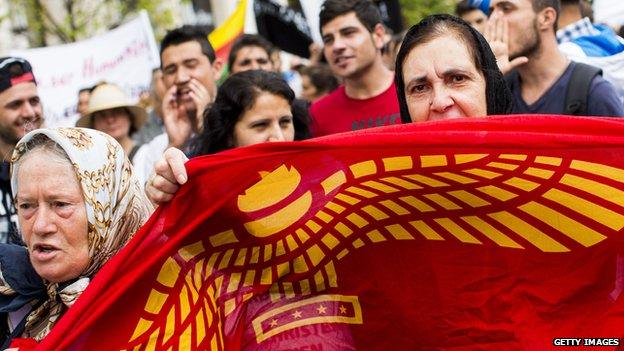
[[269, 119], [52, 216], [442, 81]]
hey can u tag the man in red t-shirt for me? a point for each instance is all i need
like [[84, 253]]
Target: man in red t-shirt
[[353, 37]]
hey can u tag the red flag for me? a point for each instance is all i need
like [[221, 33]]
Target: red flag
[[488, 234]]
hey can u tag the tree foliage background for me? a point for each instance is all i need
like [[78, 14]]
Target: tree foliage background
[[47, 22], [415, 10], [65, 21]]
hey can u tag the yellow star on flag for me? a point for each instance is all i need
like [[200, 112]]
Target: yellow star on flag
[[274, 322], [321, 309], [297, 314], [343, 309]]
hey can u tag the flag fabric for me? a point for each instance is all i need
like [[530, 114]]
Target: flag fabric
[[475, 234], [226, 34]]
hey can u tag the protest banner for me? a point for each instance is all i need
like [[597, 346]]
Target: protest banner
[[124, 56], [488, 234]]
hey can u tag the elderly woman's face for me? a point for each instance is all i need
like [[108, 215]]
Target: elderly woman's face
[[52, 216], [442, 81]]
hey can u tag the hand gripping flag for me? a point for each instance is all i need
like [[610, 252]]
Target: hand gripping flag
[[484, 234]]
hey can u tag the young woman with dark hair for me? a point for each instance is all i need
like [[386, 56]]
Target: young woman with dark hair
[[251, 107]]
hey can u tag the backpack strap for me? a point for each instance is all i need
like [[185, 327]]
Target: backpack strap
[[578, 88], [133, 151]]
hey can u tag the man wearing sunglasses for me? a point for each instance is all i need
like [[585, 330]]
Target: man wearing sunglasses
[[20, 112]]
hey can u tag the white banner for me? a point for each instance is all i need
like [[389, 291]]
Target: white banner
[[125, 56]]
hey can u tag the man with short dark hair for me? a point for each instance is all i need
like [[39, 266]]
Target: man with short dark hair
[[541, 84], [190, 70], [20, 112], [250, 52], [353, 37]]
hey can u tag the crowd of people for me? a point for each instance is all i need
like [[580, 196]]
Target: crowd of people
[[59, 225]]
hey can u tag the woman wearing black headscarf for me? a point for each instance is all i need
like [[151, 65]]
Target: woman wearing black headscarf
[[445, 69]]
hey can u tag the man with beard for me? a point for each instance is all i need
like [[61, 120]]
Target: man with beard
[[540, 80], [353, 37], [20, 112], [190, 70]]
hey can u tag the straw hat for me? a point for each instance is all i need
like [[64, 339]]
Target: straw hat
[[109, 96]]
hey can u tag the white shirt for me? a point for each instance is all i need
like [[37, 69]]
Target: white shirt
[[146, 157]]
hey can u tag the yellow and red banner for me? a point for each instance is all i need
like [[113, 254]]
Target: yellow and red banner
[[488, 234], [224, 36]]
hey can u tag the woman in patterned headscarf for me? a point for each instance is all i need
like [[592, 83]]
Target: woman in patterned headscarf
[[78, 205]]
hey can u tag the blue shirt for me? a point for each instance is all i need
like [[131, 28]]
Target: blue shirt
[[603, 100]]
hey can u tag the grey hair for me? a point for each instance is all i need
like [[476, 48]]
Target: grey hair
[[42, 142]]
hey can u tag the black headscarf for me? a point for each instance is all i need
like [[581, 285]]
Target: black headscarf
[[498, 97]]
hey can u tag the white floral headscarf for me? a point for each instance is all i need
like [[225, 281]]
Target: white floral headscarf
[[115, 203]]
